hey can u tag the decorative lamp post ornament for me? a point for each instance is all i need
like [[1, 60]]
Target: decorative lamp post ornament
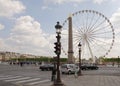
[[58, 28]]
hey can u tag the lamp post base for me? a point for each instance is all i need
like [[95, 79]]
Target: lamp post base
[[58, 84], [79, 73]]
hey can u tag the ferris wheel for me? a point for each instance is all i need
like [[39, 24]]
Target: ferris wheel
[[93, 30]]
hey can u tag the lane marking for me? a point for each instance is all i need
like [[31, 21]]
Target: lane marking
[[38, 82], [17, 79], [12, 77], [28, 80], [6, 75]]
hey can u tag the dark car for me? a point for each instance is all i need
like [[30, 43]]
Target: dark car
[[88, 67], [83, 67], [46, 67], [92, 67]]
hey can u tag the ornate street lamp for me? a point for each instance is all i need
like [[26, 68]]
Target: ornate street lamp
[[57, 51], [79, 47]]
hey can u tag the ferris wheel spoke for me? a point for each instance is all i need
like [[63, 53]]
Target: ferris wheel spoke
[[83, 50], [102, 33], [76, 41], [100, 46], [91, 27], [91, 21], [102, 28], [105, 38], [77, 37], [99, 41], [90, 50], [94, 27], [79, 31], [87, 20], [78, 21], [83, 22]]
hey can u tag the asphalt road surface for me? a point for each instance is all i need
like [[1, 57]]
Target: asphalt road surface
[[31, 75]]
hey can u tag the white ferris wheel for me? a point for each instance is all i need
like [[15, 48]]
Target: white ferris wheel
[[93, 30]]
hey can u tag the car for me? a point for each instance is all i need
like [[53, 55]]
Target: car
[[83, 67], [88, 67], [92, 67], [69, 68], [46, 67]]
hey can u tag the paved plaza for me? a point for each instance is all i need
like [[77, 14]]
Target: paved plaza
[[14, 75], [96, 80]]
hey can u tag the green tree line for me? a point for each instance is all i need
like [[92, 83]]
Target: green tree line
[[111, 59], [38, 59]]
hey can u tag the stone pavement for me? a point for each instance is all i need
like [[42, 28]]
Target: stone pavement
[[89, 80]]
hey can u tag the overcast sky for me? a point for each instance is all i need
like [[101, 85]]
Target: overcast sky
[[27, 26]]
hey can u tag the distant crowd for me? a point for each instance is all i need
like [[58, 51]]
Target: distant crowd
[[21, 63]]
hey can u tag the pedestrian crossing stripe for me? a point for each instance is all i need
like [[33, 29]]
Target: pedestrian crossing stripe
[[5, 75], [11, 77], [38, 82], [28, 80], [17, 79], [23, 80]]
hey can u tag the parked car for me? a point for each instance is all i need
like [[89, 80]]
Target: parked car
[[46, 67], [69, 68], [92, 67], [83, 67], [88, 67]]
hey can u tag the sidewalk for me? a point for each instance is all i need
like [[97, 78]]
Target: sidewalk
[[89, 80]]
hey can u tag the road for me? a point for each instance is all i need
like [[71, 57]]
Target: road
[[31, 75], [26, 75], [104, 70]]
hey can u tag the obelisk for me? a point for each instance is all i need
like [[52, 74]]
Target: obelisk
[[70, 41]]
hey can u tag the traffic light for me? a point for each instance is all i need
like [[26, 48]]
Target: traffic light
[[57, 48]]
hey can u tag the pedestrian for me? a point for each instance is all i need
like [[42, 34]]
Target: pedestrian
[[76, 73], [113, 64], [21, 64], [53, 77]]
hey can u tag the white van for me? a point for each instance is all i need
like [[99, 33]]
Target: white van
[[69, 68]]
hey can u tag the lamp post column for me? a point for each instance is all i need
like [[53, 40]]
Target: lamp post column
[[79, 46], [57, 47], [118, 62], [58, 80]]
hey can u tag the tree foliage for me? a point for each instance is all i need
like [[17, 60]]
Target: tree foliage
[[38, 59], [111, 59]]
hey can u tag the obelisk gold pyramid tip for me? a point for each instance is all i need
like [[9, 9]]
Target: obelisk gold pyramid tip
[[70, 15]]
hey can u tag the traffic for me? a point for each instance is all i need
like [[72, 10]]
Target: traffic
[[68, 68]]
